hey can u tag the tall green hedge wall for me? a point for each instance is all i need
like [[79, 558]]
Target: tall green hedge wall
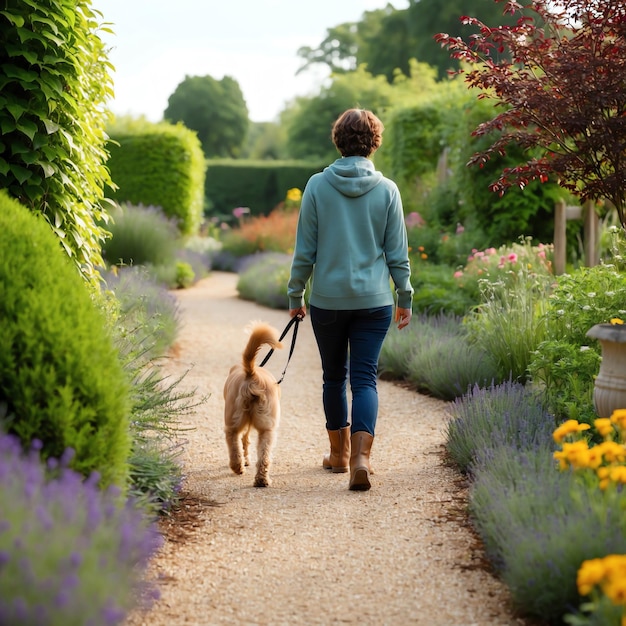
[[159, 165], [54, 83], [259, 185]]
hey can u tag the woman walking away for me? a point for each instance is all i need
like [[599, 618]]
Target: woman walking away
[[351, 238]]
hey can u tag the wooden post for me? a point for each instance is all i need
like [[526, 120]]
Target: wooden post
[[591, 234], [560, 239]]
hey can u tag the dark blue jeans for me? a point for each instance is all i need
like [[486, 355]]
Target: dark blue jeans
[[349, 342]]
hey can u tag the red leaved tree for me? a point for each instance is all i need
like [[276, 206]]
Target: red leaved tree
[[559, 76]]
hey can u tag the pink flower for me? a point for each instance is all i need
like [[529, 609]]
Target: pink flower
[[414, 219], [512, 257], [240, 211], [458, 274]]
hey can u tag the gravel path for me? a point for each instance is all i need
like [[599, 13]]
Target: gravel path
[[307, 550]]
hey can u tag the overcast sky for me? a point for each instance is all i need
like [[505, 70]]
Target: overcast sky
[[156, 43]]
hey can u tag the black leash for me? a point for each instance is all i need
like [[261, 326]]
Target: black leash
[[296, 319]]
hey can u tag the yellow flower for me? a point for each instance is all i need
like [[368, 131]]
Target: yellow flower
[[575, 454], [616, 320], [594, 457], [615, 590], [590, 574], [294, 195], [567, 428], [618, 474], [613, 452], [618, 417], [604, 426]]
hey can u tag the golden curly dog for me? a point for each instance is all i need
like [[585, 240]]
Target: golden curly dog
[[252, 400]]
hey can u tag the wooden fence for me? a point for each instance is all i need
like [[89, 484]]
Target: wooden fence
[[591, 232]]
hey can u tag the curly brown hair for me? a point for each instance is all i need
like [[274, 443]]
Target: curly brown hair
[[357, 132]]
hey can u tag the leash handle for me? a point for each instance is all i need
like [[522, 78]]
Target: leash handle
[[296, 319]]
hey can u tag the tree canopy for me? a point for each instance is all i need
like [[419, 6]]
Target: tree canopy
[[386, 39], [215, 109]]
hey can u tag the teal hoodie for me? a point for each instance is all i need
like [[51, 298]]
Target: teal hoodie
[[351, 239]]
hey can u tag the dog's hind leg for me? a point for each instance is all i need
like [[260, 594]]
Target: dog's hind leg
[[235, 451], [264, 453], [245, 440]]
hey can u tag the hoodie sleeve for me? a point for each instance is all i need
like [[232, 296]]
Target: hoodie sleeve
[[305, 251], [397, 252]]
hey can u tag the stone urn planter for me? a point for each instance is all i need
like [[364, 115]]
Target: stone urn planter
[[610, 385]]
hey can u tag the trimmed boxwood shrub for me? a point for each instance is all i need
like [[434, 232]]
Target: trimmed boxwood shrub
[[160, 165], [259, 185], [61, 378]]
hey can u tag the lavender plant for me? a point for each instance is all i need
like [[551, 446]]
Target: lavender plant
[[539, 525], [265, 280], [414, 354], [70, 554], [485, 419]]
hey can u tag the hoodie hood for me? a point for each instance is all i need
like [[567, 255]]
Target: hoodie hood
[[352, 176]]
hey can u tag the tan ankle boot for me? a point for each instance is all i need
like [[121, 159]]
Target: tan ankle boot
[[339, 456], [360, 469]]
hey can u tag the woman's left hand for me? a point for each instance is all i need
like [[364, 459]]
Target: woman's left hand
[[299, 312]]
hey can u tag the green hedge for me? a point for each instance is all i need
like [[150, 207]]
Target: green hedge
[[159, 165], [54, 83], [259, 185], [61, 378]]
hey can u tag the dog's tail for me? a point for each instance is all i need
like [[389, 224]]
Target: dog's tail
[[261, 334]]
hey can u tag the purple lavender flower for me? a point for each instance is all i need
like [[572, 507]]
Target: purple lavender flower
[[56, 539]]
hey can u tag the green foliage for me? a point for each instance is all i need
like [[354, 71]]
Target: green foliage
[[309, 124], [264, 141], [566, 363], [527, 212], [184, 275], [159, 165], [215, 109], [54, 84], [436, 290], [416, 136], [61, 379], [508, 323], [259, 185], [387, 39], [417, 132]]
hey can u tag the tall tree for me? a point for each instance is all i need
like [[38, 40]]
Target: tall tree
[[386, 39], [215, 109], [427, 18], [309, 121]]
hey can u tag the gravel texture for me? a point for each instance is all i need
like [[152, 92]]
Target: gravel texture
[[307, 550]]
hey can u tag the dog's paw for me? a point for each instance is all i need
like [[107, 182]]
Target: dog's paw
[[262, 481], [238, 468]]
